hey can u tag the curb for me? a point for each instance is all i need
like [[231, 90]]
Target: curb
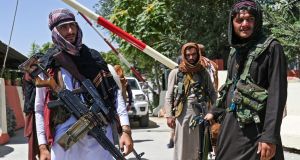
[[291, 150], [4, 138]]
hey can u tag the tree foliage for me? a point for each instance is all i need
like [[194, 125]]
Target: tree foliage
[[110, 58], [166, 25], [35, 48], [282, 19]]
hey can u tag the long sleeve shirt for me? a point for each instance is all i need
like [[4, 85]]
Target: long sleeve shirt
[[61, 128]]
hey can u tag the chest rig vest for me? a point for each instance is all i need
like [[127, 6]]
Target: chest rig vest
[[247, 99], [185, 86]]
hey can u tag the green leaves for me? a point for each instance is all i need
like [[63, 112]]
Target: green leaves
[[166, 25], [35, 48], [283, 21]]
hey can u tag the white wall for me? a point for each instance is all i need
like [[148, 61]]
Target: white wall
[[3, 124]]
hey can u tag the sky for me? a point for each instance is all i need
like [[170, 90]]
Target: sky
[[31, 24]]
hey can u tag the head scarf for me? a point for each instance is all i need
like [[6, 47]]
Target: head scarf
[[185, 66], [255, 9], [59, 17], [120, 73]]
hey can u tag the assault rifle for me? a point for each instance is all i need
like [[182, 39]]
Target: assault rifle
[[97, 107], [204, 133], [91, 119]]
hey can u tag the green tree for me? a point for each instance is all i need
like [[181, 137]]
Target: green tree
[[45, 47], [283, 22], [110, 58], [35, 48], [165, 25], [134, 16]]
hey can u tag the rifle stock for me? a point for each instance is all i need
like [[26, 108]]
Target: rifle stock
[[50, 82], [32, 67], [27, 66]]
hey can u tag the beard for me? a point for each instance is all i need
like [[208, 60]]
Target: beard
[[192, 61]]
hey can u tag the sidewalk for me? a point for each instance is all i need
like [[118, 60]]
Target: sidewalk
[[16, 148], [290, 128]]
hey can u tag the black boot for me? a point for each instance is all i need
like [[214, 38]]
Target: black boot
[[170, 144]]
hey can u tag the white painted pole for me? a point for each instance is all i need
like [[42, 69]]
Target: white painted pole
[[122, 34]]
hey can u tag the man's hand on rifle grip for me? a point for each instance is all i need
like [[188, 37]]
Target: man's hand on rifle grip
[[209, 117], [126, 140]]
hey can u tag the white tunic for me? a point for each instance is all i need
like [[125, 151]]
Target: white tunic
[[86, 148]]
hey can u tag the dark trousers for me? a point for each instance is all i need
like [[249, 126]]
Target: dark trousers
[[30, 133]]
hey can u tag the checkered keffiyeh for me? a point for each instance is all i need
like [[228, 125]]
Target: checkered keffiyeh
[[60, 16], [244, 3]]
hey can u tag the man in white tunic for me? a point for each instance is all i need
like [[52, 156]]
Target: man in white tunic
[[52, 124]]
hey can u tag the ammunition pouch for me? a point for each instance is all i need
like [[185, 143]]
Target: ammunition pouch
[[250, 99], [59, 114], [220, 102], [199, 89], [178, 109], [178, 104]]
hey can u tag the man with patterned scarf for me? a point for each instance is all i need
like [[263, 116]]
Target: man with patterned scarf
[[52, 124], [255, 91], [190, 89]]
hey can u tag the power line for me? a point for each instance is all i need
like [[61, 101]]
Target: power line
[[8, 45]]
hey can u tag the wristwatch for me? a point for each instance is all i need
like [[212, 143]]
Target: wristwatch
[[126, 129]]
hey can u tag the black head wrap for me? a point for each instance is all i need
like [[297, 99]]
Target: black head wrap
[[255, 9]]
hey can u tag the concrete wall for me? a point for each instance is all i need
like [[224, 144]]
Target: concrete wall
[[13, 97], [290, 128], [4, 138]]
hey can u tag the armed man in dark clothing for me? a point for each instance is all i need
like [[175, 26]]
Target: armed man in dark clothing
[[190, 91], [255, 92], [77, 99]]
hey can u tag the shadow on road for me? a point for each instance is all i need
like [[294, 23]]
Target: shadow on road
[[135, 125], [5, 150], [142, 140], [135, 159], [291, 150], [18, 138]]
